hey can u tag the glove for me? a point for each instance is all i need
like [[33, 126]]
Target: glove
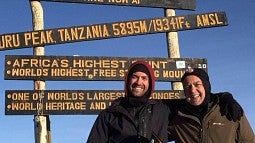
[[230, 107]]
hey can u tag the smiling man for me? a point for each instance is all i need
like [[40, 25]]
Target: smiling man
[[139, 84], [199, 119], [133, 118], [197, 87]]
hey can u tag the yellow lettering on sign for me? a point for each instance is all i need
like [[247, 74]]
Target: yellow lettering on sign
[[65, 96], [20, 96], [156, 73], [166, 24], [122, 73], [167, 95], [88, 96], [135, 2], [172, 74], [21, 63], [105, 72], [76, 33], [28, 72], [106, 96], [23, 106], [97, 106], [49, 63], [42, 63], [57, 106], [59, 96], [8, 41], [178, 23], [118, 1], [78, 96], [82, 33], [134, 27], [208, 20], [69, 72], [81, 63], [39, 38], [97, 31], [158, 64]]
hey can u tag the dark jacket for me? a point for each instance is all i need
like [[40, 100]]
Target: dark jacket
[[117, 125], [212, 128], [124, 123]]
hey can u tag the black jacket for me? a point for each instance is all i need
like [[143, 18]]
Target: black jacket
[[118, 125]]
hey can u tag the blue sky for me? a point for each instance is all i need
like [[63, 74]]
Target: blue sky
[[229, 51]]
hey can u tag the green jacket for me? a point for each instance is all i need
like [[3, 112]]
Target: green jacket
[[213, 128]]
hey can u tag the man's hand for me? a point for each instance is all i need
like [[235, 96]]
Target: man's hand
[[230, 107]]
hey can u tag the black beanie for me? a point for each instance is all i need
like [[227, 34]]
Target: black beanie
[[139, 68], [202, 74]]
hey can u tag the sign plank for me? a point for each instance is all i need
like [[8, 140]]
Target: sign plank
[[173, 4], [30, 67], [111, 30], [60, 102]]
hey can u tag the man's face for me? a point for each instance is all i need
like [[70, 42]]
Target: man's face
[[139, 84], [194, 90]]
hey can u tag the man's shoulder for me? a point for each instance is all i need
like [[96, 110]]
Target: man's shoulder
[[115, 105], [158, 104]]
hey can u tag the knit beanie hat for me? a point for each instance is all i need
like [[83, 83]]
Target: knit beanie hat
[[202, 74], [139, 68]]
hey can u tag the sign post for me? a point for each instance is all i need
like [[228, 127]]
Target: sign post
[[173, 47], [41, 122]]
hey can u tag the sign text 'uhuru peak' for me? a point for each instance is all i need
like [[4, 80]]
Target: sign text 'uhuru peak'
[[111, 30]]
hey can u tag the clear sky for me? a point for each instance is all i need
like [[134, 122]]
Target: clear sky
[[229, 51]]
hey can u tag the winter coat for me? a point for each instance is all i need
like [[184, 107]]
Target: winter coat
[[123, 122], [213, 128], [117, 125]]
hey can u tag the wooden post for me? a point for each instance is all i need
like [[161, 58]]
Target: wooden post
[[173, 47], [41, 122]]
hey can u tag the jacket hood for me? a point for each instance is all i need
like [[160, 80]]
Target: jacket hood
[[151, 76]]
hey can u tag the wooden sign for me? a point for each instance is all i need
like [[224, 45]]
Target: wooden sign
[[59, 102], [173, 4], [30, 67], [111, 30]]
